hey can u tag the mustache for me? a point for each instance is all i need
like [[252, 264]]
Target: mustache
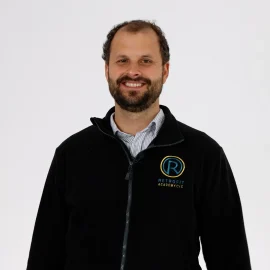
[[120, 80]]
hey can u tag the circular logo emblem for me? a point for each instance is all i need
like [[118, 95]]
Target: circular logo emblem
[[172, 166]]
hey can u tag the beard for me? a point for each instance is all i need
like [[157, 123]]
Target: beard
[[136, 101]]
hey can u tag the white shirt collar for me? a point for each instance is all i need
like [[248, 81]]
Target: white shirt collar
[[155, 124]]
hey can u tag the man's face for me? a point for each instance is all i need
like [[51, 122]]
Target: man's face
[[135, 73]]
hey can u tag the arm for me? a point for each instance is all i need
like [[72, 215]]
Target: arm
[[47, 251], [221, 222]]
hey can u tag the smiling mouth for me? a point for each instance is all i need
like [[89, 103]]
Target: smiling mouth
[[133, 85]]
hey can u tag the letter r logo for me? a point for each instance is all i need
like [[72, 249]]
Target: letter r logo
[[172, 166]]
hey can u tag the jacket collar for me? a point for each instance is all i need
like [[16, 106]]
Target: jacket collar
[[169, 132]]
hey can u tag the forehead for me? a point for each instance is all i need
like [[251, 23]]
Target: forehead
[[144, 42]]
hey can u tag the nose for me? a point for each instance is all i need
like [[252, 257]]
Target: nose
[[133, 70]]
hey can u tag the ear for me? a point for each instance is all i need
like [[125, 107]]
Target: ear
[[106, 72], [166, 69]]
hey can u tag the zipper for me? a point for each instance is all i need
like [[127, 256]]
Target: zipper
[[129, 177]]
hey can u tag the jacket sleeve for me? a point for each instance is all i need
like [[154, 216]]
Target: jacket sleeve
[[221, 223], [47, 251]]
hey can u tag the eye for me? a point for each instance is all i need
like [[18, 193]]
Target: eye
[[122, 61], [147, 61]]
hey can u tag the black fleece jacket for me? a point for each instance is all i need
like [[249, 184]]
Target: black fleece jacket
[[101, 209]]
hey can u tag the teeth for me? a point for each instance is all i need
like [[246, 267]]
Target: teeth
[[133, 84]]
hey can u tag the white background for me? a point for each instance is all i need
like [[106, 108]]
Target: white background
[[52, 81]]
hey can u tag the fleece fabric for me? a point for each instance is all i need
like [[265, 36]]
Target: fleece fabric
[[102, 209]]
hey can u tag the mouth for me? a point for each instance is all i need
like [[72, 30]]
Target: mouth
[[133, 85]]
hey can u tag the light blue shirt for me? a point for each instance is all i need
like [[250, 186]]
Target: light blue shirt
[[142, 139]]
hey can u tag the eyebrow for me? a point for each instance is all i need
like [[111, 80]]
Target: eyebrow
[[145, 55]]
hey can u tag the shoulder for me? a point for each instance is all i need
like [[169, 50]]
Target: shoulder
[[82, 139], [198, 140]]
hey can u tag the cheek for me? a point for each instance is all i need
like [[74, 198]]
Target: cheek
[[112, 78], [115, 73]]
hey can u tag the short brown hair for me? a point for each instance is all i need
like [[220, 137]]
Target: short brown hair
[[136, 26]]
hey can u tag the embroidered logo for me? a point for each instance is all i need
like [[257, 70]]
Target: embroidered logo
[[172, 166]]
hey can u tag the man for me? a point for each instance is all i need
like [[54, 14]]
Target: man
[[138, 189]]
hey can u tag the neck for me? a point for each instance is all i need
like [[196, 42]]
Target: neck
[[132, 123]]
